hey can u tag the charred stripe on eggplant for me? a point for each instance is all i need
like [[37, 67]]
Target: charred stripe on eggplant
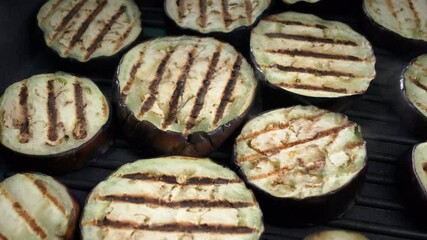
[[174, 180]]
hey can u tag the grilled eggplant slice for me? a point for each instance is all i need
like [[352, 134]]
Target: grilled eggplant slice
[[182, 95], [215, 16], [172, 198], [312, 58], [53, 122], [36, 206], [411, 100], [394, 23], [295, 1], [335, 235], [303, 161], [87, 29]]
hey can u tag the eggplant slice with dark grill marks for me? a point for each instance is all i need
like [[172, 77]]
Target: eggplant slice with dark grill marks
[[311, 57], [399, 23], [215, 16], [54, 122], [88, 29], [35, 206], [172, 198], [182, 95], [335, 235], [305, 161]]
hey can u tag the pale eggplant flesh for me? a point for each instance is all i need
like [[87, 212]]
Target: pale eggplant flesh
[[411, 101], [36, 206], [336, 235], [311, 57], [88, 29], [397, 25], [53, 122], [172, 198], [306, 162], [182, 95], [207, 16]]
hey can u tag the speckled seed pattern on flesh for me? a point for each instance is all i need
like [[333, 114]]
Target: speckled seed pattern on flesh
[[86, 29], [172, 198], [215, 16], [186, 84], [300, 152], [404, 17], [306, 55], [51, 113]]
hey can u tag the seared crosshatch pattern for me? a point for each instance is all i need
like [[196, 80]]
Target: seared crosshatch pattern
[[186, 84], [304, 54], [215, 16], [380, 211], [86, 29]]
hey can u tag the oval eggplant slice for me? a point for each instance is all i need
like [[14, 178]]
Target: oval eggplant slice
[[304, 161], [308, 56], [215, 16], [411, 103], [36, 206], [182, 95], [398, 25], [172, 198], [88, 29], [335, 235], [53, 122]]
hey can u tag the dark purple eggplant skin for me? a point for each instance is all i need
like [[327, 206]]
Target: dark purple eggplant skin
[[64, 162], [293, 212], [277, 97], [411, 117], [148, 139], [394, 42]]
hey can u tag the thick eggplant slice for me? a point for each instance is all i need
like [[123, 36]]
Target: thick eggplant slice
[[335, 235], [311, 57], [398, 25], [53, 122], [36, 206], [182, 95], [87, 29], [172, 198], [302, 161], [215, 16], [411, 96]]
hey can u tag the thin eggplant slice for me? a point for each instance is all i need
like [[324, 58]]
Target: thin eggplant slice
[[53, 122], [207, 16], [87, 29], [303, 161], [36, 206], [182, 95], [312, 58], [335, 235], [172, 198]]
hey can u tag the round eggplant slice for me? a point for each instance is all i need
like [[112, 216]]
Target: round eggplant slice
[[182, 95], [398, 25], [87, 29], [215, 16], [36, 206], [302, 161], [172, 198], [53, 122], [411, 103], [335, 235], [312, 58]]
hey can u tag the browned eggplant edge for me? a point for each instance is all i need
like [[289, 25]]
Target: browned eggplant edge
[[146, 138], [413, 119], [337, 104], [391, 40], [64, 162]]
